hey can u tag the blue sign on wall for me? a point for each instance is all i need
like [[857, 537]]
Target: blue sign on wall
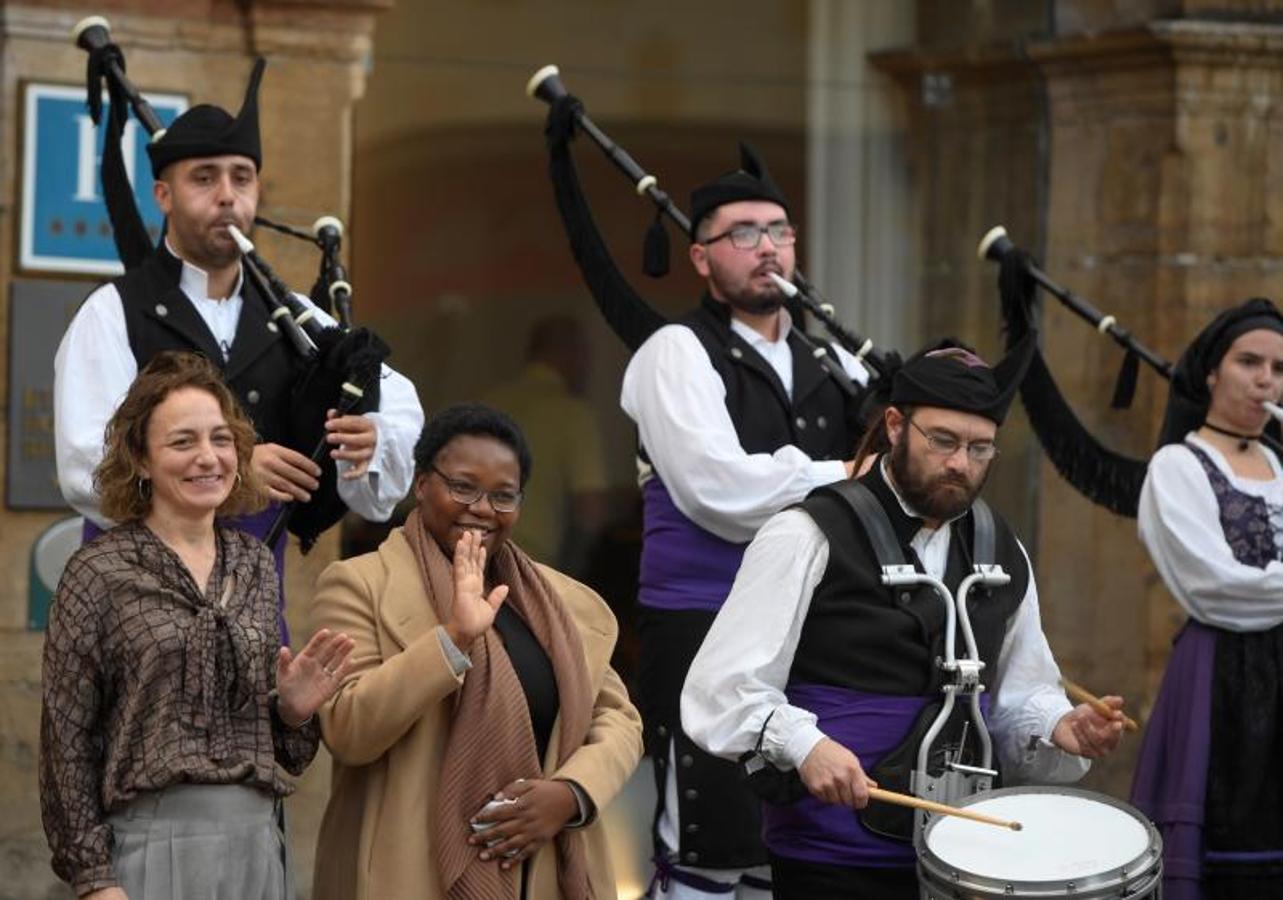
[[64, 220]]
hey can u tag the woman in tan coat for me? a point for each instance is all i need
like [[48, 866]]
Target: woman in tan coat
[[477, 675]]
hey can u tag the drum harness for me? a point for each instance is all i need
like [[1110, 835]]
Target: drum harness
[[961, 676]]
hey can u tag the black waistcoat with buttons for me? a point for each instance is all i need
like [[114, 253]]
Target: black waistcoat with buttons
[[720, 819], [865, 636], [819, 419], [260, 369]]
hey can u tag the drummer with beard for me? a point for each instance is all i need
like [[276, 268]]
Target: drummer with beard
[[826, 671], [736, 420]]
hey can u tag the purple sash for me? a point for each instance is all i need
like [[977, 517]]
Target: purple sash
[[682, 565], [869, 725], [257, 525], [1170, 785]]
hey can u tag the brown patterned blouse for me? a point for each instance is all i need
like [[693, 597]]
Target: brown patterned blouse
[[149, 681]]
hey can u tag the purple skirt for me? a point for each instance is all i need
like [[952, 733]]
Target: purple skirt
[[1170, 785]]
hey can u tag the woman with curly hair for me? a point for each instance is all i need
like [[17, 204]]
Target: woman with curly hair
[[170, 708]]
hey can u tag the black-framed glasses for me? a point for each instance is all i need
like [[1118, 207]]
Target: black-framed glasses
[[943, 444], [746, 235], [466, 493]]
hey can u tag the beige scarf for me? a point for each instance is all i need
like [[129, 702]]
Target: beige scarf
[[491, 740]]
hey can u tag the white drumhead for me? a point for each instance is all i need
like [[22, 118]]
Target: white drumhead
[[1063, 837]]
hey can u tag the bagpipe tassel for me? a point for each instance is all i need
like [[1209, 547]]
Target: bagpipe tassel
[[655, 248], [1125, 386]]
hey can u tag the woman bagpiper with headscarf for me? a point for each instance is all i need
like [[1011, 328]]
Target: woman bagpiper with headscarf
[[1211, 516]]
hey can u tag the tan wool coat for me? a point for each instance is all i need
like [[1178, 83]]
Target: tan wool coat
[[387, 728]]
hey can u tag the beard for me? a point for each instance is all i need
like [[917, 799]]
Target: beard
[[745, 297], [941, 497], [208, 247]]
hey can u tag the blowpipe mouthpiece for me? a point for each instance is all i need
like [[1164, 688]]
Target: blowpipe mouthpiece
[[994, 245], [788, 287], [241, 240]]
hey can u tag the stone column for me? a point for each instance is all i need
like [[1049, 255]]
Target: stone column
[[975, 158], [317, 51]]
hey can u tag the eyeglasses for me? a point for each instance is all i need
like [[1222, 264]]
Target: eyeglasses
[[467, 494], [943, 444], [747, 236]]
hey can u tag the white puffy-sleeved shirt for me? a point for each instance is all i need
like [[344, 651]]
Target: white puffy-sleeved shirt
[[94, 367], [678, 401], [740, 673], [1179, 522]]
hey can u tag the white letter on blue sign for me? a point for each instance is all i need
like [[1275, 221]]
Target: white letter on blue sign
[[88, 159]]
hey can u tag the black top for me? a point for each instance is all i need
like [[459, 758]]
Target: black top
[[534, 671]]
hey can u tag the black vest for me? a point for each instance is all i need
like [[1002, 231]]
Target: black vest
[[820, 419], [863, 635], [261, 368]]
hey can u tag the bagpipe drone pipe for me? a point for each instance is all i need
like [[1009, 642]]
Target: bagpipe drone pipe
[[627, 313], [1104, 476]]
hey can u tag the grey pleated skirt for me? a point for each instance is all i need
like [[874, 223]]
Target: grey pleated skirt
[[202, 842]]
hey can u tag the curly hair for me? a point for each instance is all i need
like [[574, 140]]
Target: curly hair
[[118, 478], [472, 419]]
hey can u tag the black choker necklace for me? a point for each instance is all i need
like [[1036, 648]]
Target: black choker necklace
[[1244, 440]]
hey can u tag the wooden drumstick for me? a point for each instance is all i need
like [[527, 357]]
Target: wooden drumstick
[[944, 810], [1080, 694]]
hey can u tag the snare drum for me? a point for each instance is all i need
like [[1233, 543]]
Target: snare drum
[[1073, 844]]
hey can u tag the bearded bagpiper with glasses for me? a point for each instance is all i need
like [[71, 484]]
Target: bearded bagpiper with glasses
[[737, 420], [828, 672]]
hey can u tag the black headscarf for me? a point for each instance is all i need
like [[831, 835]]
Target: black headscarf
[[208, 130], [948, 374], [1188, 397], [751, 181]]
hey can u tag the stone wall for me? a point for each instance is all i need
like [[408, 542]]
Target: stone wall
[[976, 158]]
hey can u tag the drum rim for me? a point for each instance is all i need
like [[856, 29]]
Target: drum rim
[[1147, 865]]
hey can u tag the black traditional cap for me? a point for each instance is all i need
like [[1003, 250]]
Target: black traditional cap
[[950, 375], [1189, 396], [751, 181], [208, 130]]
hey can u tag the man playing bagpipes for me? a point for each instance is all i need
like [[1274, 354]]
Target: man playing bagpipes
[[737, 420], [739, 414], [190, 292]]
